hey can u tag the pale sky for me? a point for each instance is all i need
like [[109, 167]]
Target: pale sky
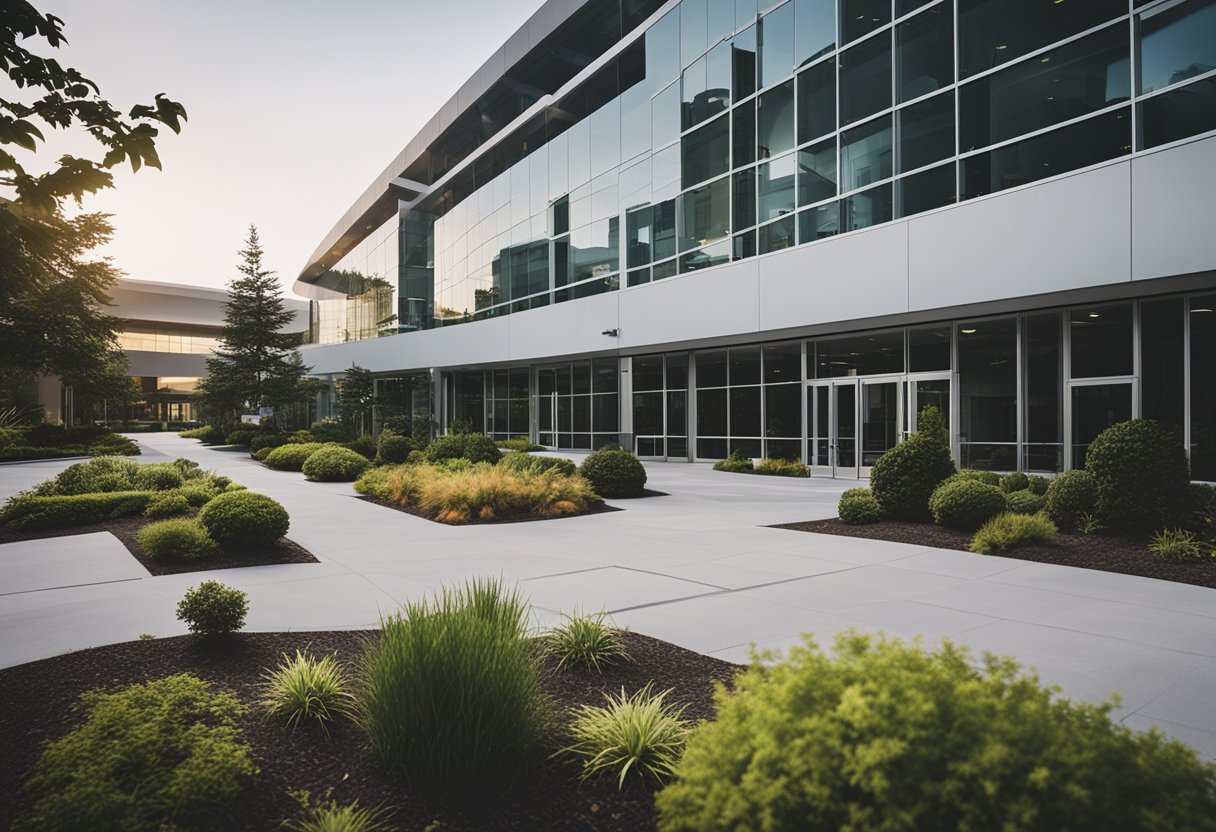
[[294, 105]]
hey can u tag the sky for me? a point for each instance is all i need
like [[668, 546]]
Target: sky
[[294, 107]]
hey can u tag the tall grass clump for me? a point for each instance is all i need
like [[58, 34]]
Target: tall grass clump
[[1009, 530], [583, 640], [451, 690], [330, 816], [306, 689], [639, 733]]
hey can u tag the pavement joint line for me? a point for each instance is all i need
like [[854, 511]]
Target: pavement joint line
[[736, 591], [74, 586]]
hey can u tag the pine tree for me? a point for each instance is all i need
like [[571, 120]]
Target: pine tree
[[356, 399], [256, 364]]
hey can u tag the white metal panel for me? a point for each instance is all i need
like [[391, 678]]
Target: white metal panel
[[1173, 206], [701, 304]]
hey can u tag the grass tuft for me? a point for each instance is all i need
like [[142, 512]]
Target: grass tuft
[[1005, 531], [307, 689], [584, 641]]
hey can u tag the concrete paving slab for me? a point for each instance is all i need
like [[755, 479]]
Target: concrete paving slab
[[73, 560], [850, 587], [612, 588]]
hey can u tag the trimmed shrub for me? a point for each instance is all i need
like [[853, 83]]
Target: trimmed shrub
[[198, 493], [639, 733], [735, 463], [1016, 481], [782, 468], [965, 503], [244, 518], [291, 457], [188, 468], [903, 478], [208, 434], [583, 641], [1006, 531], [28, 513], [333, 463], [475, 447], [986, 477], [393, 448], [1140, 473], [1201, 511], [931, 424], [95, 476], [364, 446], [213, 609], [518, 443], [519, 462], [18, 453], [1070, 495], [858, 506], [1024, 502], [113, 445], [1176, 545], [239, 437], [176, 539], [171, 504], [452, 688], [160, 476], [165, 754], [886, 735], [300, 437], [266, 440], [329, 430], [307, 689], [1038, 485], [261, 453], [614, 473]]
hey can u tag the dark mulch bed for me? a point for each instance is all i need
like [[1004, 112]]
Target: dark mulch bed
[[36, 701], [597, 508], [646, 492], [1104, 550], [125, 528]]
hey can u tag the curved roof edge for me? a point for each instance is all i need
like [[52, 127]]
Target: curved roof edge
[[379, 201]]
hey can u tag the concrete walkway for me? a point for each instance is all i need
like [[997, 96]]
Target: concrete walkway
[[697, 567]]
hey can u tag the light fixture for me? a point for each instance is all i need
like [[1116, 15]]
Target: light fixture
[[1094, 315], [611, 333], [1201, 309], [967, 331]]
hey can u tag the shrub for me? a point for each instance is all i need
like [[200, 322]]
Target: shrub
[[160, 476], [291, 457], [306, 689], [188, 468], [261, 453], [782, 468], [95, 476], [17, 453], [1016, 481], [329, 430], [478, 492], [199, 493], [885, 735], [180, 538], [244, 518], [333, 463], [475, 447], [393, 448], [986, 477], [518, 443], [28, 513], [168, 504], [614, 473], [639, 733], [1005, 531], [213, 609], [583, 641], [1038, 485], [1071, 494], [1201, 511], [239, 437], [1140, 473], [266, 440], [208, 434], [965, 503], [1176, 545], [113, 445], [1024, 502], [1088, 524], [735, 463], [300, 437], [364, 445], [329, 816], [858, 506], [452, 687], [903, 478], [931, 424], [519, 462], [163, 754]]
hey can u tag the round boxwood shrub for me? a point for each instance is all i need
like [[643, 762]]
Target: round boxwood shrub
[[986, 477], [95, 476], [393, 448], [244, 518], [858, 506], [886, 735], [613, 472], [161, 476], [363, 445], [965, 503], [291, 457], [1140, 472], [329, 430], [475, 447], [903, 479], [333, 463], [1024, 502], [261, 453], [169, 504], [181, 538], [213, 609], [1070, 494], [1017, 481], [1037, 485]]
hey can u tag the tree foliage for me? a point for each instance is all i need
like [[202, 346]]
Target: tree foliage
[[356, 399]]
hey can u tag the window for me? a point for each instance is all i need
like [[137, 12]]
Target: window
[[776, 45], [817, 172], [783, 400], [707, 86], [1162, 362], [777, 235], [1176, 43], [744, 184], [865, 79], [744, 246], [860, 355], [819, 222], [926, 132], [860, 17], [928, 349], [705, 152], [775, 119], [1076, 79], [744, 139], [706, 214], [865, 154], [638, 237], [743, 56], [694, 30], [927, 190], [1041, 339], [663, 51], [867, 208], [664, 219], [993, 32], [815, 34], [925, 49], [1202, 316], [665, 116], [776, 187], [1095, 407], [1101, 343], [1178, 114], [817, 101], [987, 376], [714, 255]]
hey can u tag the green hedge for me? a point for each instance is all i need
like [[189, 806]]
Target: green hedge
[[244, 518], [474, 447], [292, 457], [27, 513]]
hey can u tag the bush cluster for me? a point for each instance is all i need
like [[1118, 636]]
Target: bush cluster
[[92, 477], [163, 754], [329, 430], [160, 476], [613, 472], [986, 477], [884, 735], [29, 513], [266, 440], [1140, 474], [965, 503], [180, 538], [167, 504], [519, 461], [1006, 531], [858, 506], [334, 463], [394, 448], [244, 518], [735, 463], [213, 609], [1016, 481], [363, 445], [1025, 502], [207, 434], [518, 443], [1070, 495], [775, 467], [475, 447], [291, 457], [904, 477], [1038, 485]]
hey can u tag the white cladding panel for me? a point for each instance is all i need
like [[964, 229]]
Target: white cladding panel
[[1173, 211]]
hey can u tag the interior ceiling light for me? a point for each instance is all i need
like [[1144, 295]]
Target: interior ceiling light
[[1201, 309], [1094, 315], [967, 331]]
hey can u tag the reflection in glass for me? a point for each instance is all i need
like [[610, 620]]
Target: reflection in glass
[[744, 183], [817, 101], [1095, 408], [860, 355], [1177, 43], [775, 120], [706, 86], [860, 17], [988, 396], [928, 348], [816, 29], [865, 79], [663, 51], [1163, 362], [777, 235], [776, 45], [1178, 114], [926, 132], [665, 116], [992, 32], [783, 410], [743, 51], [1101, 341], [694, 30], [879, 419], [925, 48], [705, 152], [744, 139], [776, 187], [1042, 357], [819, 222], [865, 154], [743, 245], [1202, 316], [714, 255], [929, 189], [706, 214], [846, 425], [861, 210], [817, 172]]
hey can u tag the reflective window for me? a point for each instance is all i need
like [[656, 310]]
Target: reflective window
[[714, 255], [743, 246], [705, 152], [664, 228], [815, 34], [817, 101], [988, 394], [744, 183], [1176, 43], [1076, 146], [865, 154], [928, 348], [665, 116], [711, 369], [663, 51], [638, 237], [865, 79], [927, 190], [1162, 362], [1076, 79], [860, 355], [1202, 316], [706, 213], [635, 121], [593, 249], [745, 365], [819, 222], [776, 45], [860, 17], [744, 139], [903, 7], [783, 362], [775, 120], [1101, 341], [721, 19], [925, 49], [926, 132], [694, 30], [1095, 407], [1178, 114], [745, 12], [817, 172], [1042, 359], [993, 32], [776, 187], [777, 235], [707, 85], [743, 52]]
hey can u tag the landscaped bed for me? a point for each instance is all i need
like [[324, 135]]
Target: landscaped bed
[[37, 700]]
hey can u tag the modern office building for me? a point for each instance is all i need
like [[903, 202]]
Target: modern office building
[[705, 225]]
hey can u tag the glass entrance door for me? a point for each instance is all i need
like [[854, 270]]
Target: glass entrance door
[[880, 421], [925, 391], [832, 437]]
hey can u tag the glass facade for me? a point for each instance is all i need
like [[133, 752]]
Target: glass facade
[[723, 131], [174, 339]]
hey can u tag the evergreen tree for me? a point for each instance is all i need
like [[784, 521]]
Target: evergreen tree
[[256, 364], [356, 399]]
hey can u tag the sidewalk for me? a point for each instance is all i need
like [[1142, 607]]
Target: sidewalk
[[696, 567]]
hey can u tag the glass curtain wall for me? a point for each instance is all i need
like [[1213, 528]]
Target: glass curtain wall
[[660, 405], [577, 404]]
